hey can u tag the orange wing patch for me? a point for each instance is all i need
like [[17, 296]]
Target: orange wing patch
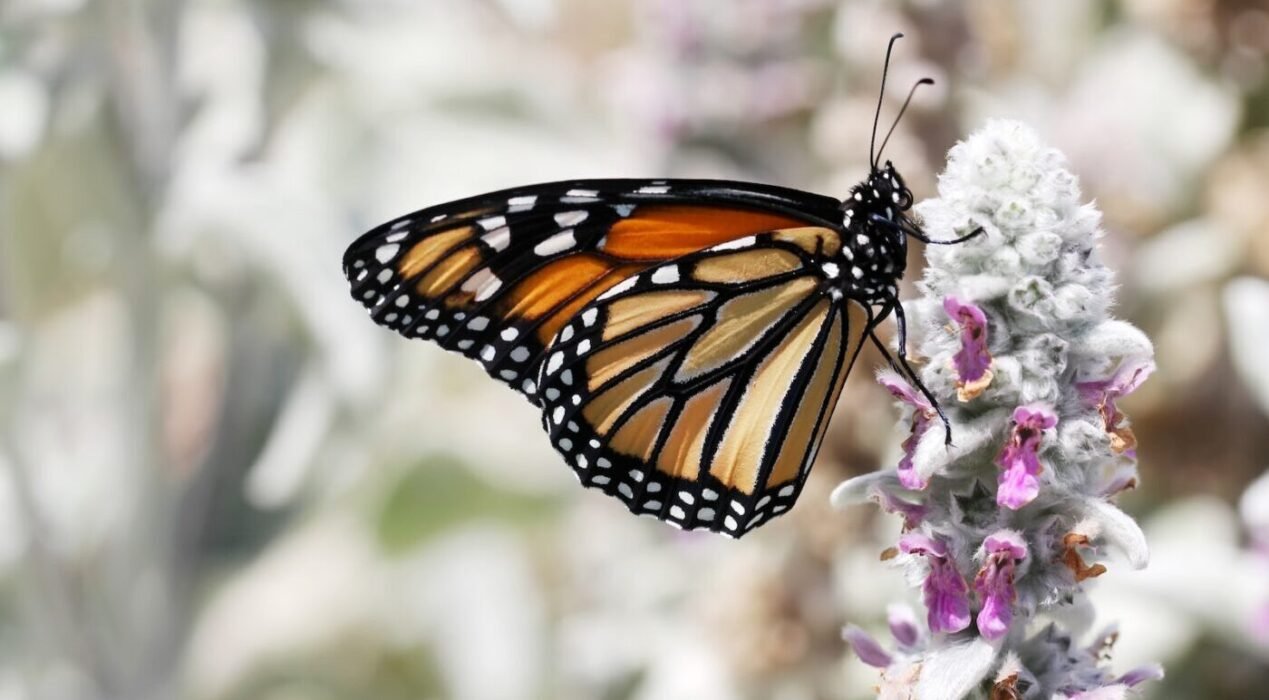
[[660, 232]]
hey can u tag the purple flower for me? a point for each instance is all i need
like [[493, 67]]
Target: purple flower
[[903, 626], [912, 513], [994, 582], [1102, 394], [866, 648], [922, 417], [945, 592], [973, 361], [1020, 480], [1140, 675]]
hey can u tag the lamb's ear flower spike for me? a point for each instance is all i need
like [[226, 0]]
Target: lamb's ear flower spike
[[1025, 360]]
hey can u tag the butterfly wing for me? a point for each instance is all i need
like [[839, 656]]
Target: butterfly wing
[[495, 277], [698, 391]]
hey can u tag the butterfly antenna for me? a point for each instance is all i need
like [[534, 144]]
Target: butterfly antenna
[[904, 108], [872, 159]]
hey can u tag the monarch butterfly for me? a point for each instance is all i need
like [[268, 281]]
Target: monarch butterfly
[[686, 340]]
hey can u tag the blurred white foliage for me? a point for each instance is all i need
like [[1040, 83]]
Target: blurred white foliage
[[26, 107], [1109, 123], [13, 533], [473, 597], [71, 437], [470, 598], [1200, 580], [1185, 257], [1247, 325], [292, 447], [313, 586], [1254, 506]]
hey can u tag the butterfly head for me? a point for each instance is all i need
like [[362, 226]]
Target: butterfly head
[[876, 246]]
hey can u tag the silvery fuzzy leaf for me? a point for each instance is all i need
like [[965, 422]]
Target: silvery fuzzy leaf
[[932, 454], [1118, 530], [1112, 339], [954, 671]]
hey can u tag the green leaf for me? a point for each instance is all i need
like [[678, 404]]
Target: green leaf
[[440, 493]]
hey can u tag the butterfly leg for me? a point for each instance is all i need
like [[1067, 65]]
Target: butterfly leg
[[920, 235], [902, 322]]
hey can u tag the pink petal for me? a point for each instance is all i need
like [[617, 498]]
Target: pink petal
[[973, 360], [866, 648], [1008, 543], [995, 583], [903, 625], [1020, 481], [922, 419], [917, 543], [1137, 676]]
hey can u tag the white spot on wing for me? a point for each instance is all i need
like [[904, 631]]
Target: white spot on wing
[[488, 289], [736, 244], [657, 189], [571, 218], [619, 288], [519, 204], [553, 364], [493, 222], [831, 270], [558, 243], [387, 252], [498, 239], [589, 317], [666, 275]]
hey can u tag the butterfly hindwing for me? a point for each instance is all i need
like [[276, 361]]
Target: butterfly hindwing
[[495, 277], [697, 391]]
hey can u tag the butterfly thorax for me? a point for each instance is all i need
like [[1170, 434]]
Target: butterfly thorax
[[874, 251]]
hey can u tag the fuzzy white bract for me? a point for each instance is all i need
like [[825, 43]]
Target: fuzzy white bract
[[1004, 528]]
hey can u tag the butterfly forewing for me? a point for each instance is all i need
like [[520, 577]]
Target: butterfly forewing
[[698, 390], [496, 277]]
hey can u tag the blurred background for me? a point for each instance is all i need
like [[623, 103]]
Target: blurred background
[[220, 481]]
